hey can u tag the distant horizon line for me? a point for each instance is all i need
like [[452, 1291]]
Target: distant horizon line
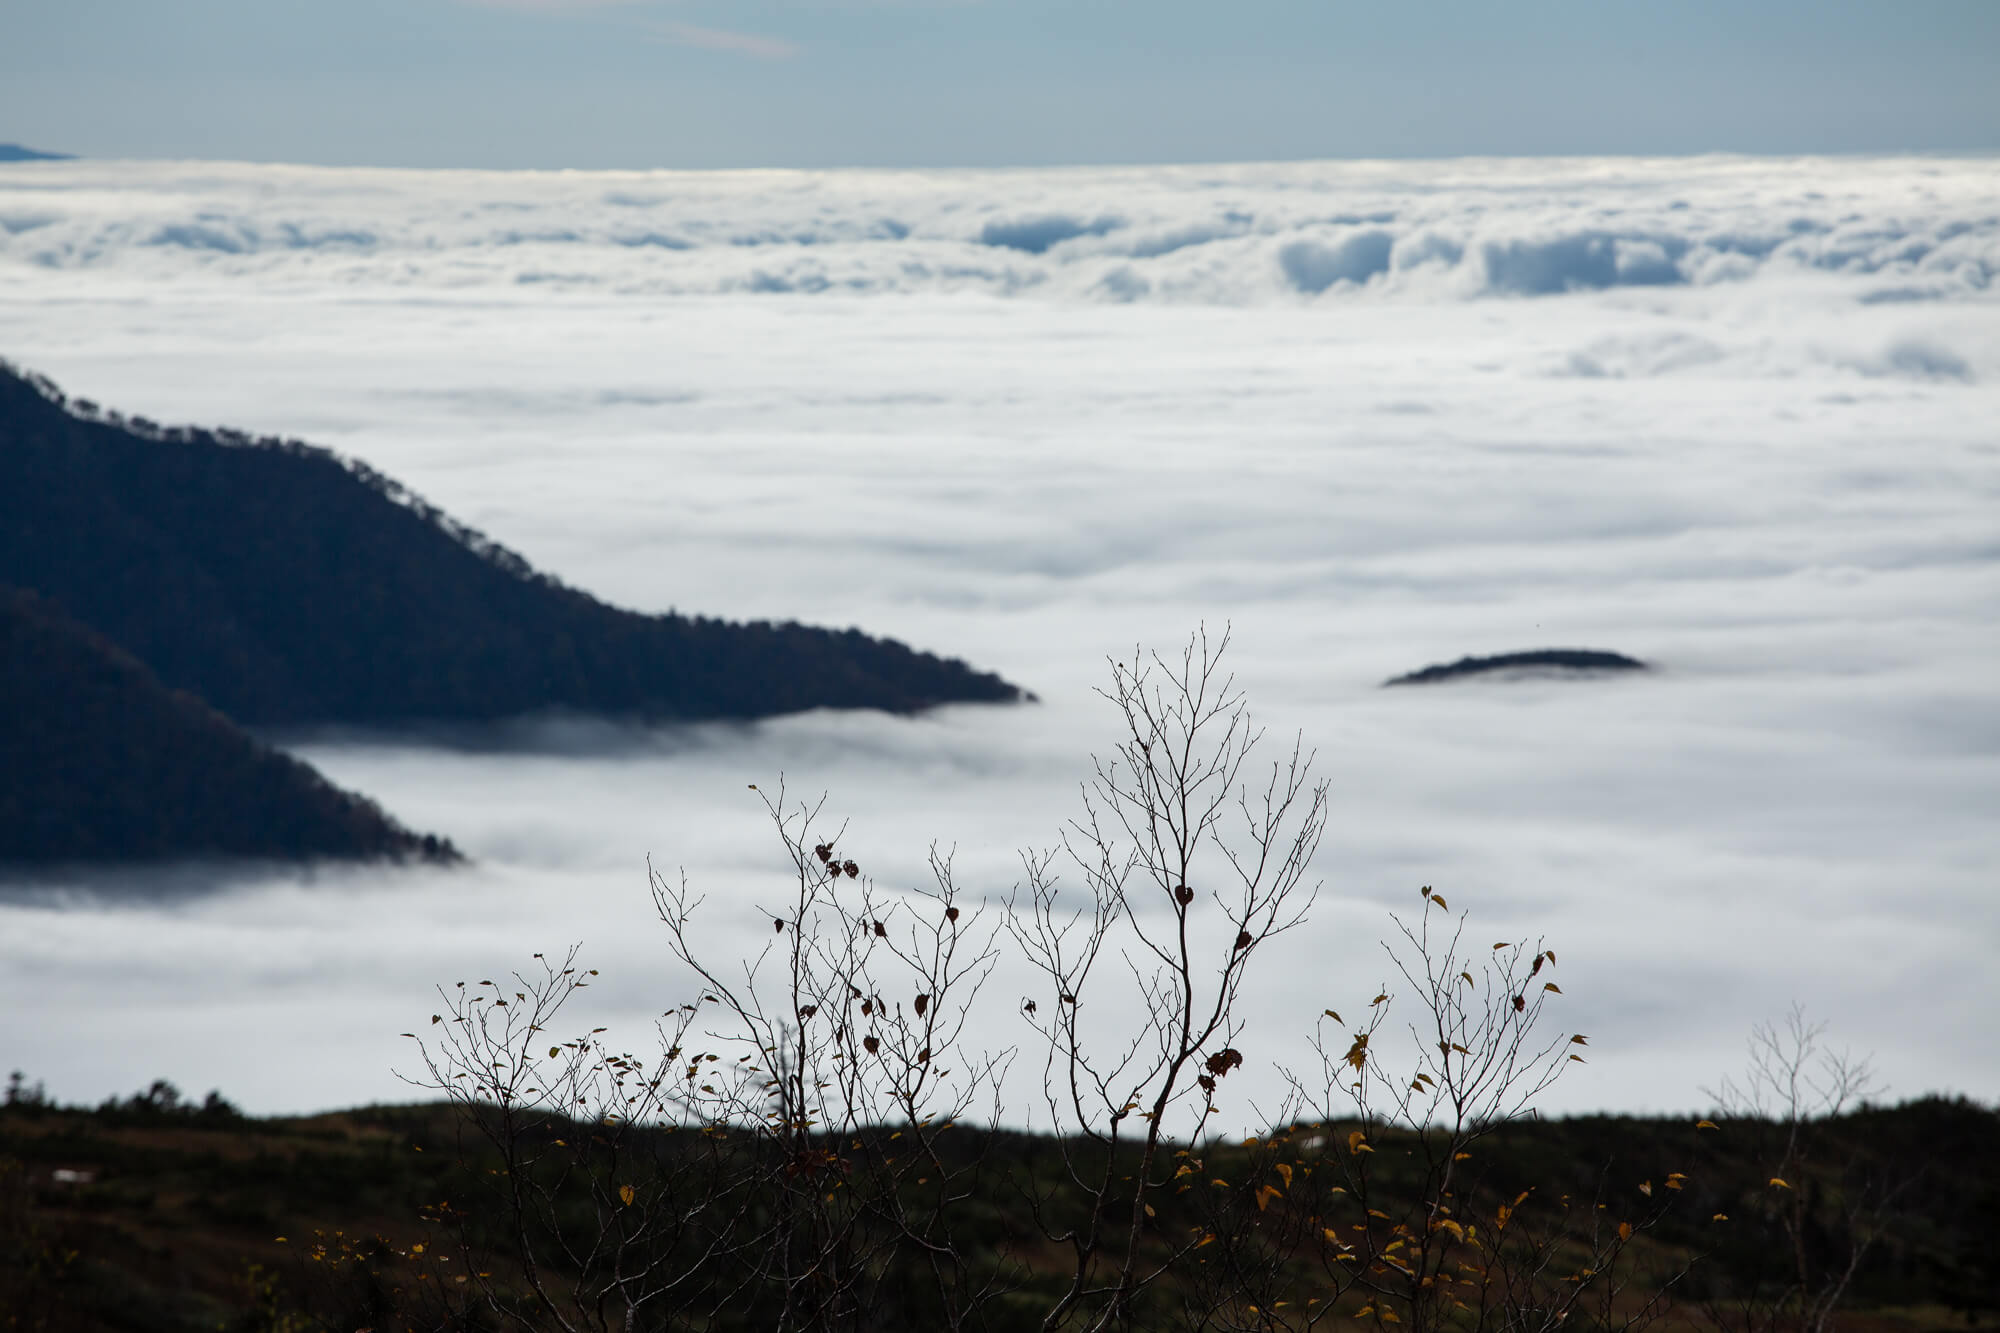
[[14, 153]]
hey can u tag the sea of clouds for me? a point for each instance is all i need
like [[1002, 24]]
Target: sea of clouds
[[1733, 416]]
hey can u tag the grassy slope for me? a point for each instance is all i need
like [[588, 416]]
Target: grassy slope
[[178, 1227]]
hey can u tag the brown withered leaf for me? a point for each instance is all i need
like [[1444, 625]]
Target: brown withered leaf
[[1224, 1060]]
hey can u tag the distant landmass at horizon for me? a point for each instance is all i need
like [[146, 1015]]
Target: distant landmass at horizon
[[13, 152]]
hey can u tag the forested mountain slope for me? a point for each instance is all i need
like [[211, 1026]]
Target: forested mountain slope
[[100, 762], [286, 585]]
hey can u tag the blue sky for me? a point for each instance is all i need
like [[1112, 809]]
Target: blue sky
[[693, 83]]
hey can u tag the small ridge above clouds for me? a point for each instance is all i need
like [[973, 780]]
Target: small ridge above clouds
[[1536, 662]]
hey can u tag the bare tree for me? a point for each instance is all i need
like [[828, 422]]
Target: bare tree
[[1381, 1197], [856, 1015], [781, 1157], [600, 1208], [1824, 1204], [1189, 861]]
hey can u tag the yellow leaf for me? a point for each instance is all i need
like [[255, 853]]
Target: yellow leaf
[[1266, 1194], [1646, 1188], [1624, 1231], [1704, 1124], [1364, 1312], [1551, 986], [1389, 1316], [1357, 1142], [1720, 1217], [626, 1194], [1438, 898], [1779, 1182], [1284, 1169]]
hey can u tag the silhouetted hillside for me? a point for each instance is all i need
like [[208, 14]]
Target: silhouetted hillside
[[285, 585], [1550, 661], [100, 762]]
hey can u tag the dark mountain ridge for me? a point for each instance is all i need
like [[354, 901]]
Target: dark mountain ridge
[[290, 587], [100, 762]]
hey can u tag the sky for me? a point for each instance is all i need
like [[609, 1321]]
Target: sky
[[813, 83]]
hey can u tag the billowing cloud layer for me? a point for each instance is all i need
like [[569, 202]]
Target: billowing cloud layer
[[1898, 229], [1747, 435]]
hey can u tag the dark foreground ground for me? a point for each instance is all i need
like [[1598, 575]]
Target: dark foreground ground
[[156, 1215]]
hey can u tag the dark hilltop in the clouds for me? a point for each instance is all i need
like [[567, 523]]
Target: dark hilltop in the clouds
[[289, 587], [99, 762], [1536, 662], [13, 152]]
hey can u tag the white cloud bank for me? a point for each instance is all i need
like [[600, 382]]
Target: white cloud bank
[[1760, 453], [1895, 229]]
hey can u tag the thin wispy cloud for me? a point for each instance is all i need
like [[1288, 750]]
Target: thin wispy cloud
[[751, 44], [552, 6]]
